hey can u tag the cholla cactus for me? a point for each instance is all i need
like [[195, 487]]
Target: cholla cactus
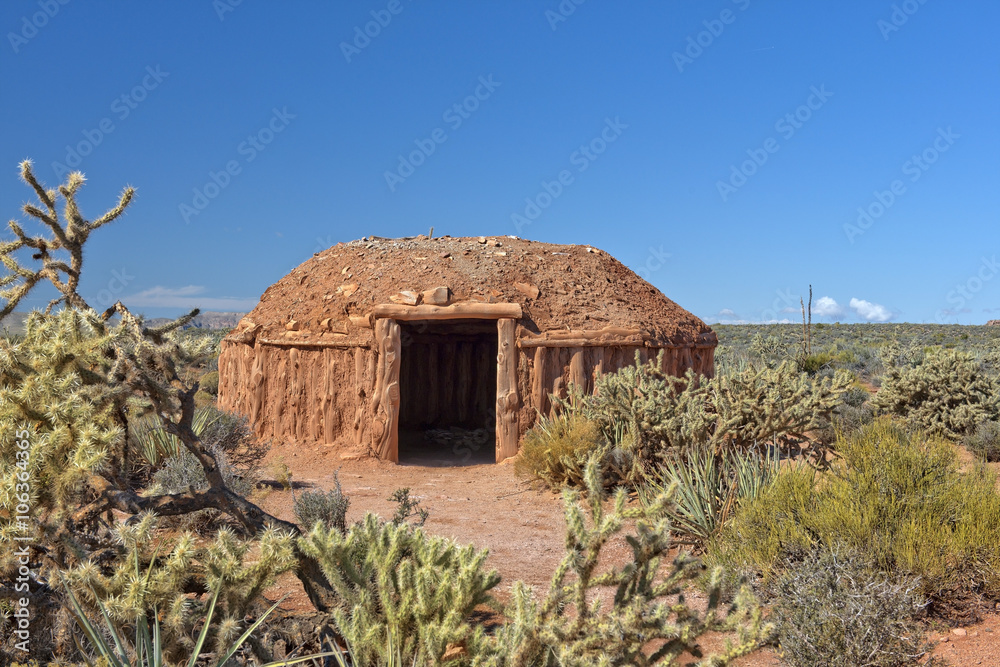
[[404, 594], [68, 390], [665, 415], [68, 237], [634, 614], [761, 405], [947, 393], [154, 574]]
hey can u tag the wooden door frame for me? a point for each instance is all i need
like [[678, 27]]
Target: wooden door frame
[[388, 347]]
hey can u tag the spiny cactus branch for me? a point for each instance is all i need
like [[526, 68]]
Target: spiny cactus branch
[[67, 235]]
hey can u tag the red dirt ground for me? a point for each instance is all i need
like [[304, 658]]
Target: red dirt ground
[[489, 506]]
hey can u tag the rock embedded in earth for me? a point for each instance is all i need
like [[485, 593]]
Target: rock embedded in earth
[[406, 298], [437, 296], [527, 289]]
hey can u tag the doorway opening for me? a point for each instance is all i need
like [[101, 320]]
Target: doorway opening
[[448, 390]]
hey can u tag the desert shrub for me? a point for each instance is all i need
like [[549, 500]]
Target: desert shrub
[[209, 382], [228, 437], [946, 392], [708, 486], [753, 406], [401, 590], [154, 572], [833, 609], [203, 399], [773, 404], [326, 507], [985, 441], [897, 497], [814, 362], [407, 507], [183, 471], [634, 613], [854, 412], [556, 450]]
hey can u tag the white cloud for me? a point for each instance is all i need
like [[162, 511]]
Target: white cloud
[[727, 312], [188, 296], [827, 307], [871, 312]]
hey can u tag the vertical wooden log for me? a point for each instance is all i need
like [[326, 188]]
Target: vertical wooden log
[[463, 390], [597, 361], [577, 370], [386, 399], [539, 388], [360, 391], [447, 367], [432, 389], [507, 401], [257, 387]]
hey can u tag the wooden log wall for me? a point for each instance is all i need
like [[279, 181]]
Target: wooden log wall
[[299, 394], [544, 372], [328, 394]]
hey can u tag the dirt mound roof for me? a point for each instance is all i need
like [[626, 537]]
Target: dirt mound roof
[[558, 287]]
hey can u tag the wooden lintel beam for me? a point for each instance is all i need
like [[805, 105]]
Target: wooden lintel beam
[[458, 311]]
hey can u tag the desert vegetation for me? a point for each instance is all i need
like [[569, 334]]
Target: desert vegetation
[[830, 490]]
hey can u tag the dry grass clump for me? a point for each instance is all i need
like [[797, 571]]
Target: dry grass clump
[[834, 609]]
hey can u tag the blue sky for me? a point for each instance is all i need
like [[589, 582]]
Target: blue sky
[[731, 151]]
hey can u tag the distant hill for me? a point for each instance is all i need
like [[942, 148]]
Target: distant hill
[[206, 320]]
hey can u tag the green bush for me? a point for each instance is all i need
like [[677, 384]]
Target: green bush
[[401, 590], [834, 609], [556, 450], [897, 497], [985, 441], [946, 392], [209, 382], [329, 508]]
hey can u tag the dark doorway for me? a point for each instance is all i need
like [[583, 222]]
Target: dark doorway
[[447, 388]]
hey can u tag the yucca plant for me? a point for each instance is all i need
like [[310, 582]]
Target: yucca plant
[[155, 443], [147, 648], [708, 486]]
